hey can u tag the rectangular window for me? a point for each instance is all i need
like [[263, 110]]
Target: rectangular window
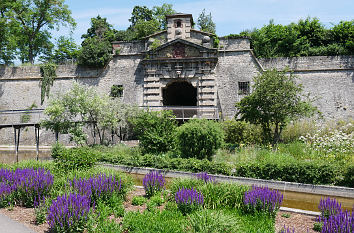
[[116, 91], [243, 88]]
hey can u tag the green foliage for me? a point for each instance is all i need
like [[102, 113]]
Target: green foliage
[[241, 132], [140, 13], [199, 138], [65, 50], [160, 12], [211, 221], [146, 28], [57, 150], [348, 176], [153, 221], [307, 37], [138, 200], [155, 131], [290, 169], [116, 91], [75, 158], [216, 195], [276, 99], [48, 73], [30, 23], [96, 49], [205, 22], [157, 199], [317, 226], [95, 53], [26, 117], [84, 106]]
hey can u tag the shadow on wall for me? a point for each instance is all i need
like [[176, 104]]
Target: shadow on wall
[[1, 90]]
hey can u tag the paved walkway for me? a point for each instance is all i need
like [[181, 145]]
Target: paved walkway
[[8, 225]]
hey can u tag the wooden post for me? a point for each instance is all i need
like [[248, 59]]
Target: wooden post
[[36, 132]]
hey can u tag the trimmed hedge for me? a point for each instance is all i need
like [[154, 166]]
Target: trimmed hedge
[[284, 169]]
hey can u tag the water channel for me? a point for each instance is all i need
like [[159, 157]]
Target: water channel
[[297, 200]]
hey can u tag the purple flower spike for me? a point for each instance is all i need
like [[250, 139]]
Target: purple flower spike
[[205, 177], [153, 182], [262, 199], [188, 200]]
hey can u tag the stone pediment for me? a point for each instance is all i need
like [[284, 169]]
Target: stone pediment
[[180, 48]]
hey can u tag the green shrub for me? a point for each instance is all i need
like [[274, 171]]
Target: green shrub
[[157, 199], [348, 175], [211, 221], [95, 53], [76, 158], [241, 132], [138, 200], [290, 169], [155, 131], [199, 138], [295, 130], [57, 150]]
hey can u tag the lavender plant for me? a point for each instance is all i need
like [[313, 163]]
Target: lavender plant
[[100, 187], [153, 183], [69, 213], [342, 222], [329, 207], [333, 218], [24, 186], [188, 200], [287, 230], [262, 199], [205, 177]]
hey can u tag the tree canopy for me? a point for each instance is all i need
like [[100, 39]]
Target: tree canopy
[[307, 37], [205, 22], [275, 100], [29, 23]]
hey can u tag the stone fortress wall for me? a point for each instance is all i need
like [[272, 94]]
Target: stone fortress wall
[[328, 79]]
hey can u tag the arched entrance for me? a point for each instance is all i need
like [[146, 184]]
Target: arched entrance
[[179, 94]]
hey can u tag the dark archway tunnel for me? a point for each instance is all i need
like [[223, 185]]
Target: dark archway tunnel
[[179, 94]]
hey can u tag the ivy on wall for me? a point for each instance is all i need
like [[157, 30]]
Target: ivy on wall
[[48, 75]]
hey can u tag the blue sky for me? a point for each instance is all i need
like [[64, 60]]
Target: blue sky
[[230, 16]]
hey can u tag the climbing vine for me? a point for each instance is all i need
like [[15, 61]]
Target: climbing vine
[[48, 75]]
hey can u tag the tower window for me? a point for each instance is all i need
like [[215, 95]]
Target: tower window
[[243, 88], [178, 24]]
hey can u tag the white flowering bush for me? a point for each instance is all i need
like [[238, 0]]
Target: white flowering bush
[[338, 141]]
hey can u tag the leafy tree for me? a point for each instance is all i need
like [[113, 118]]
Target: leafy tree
[[343, 34], [32, 21], [276, 99], [146, 28], [95, 53], [100, 28], [7, 40], [82, 107], [206, 23], [140, 13], [66, 49], [96, 48], [160, 12]]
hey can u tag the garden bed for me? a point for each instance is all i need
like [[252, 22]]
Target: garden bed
[[27, 217]]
